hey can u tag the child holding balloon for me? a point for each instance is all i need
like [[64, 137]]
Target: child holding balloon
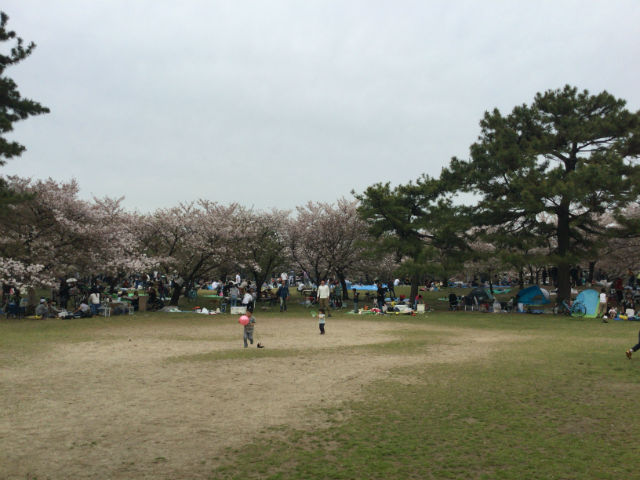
[[248, 321]]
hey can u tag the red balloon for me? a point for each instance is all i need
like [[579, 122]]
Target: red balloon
[[243, 320]]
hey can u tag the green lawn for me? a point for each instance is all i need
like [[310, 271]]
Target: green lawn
[[563, 404], [557, 399]]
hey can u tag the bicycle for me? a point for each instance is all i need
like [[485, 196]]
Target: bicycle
[[578, 309]]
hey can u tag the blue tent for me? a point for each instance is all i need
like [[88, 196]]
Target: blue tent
[[533, 295], [591, 300]]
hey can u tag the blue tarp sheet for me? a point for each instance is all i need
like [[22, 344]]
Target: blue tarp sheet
[[358, 286]]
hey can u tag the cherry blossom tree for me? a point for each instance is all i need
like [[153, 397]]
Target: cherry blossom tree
[[51, 229], [621, 251], [305, 242], [121, 249], [263, 248], [328, 239], [54, 233], [348, 241], [191, 240], [19, 274]]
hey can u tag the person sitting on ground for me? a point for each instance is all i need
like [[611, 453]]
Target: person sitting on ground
[[42, 310], [54, 309], [83, 311]]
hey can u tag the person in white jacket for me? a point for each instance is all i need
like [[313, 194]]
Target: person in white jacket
[[323, 296]]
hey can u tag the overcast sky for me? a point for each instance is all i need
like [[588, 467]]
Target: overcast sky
[[275, 103]]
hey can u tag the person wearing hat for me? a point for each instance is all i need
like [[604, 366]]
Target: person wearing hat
[[42, 310]]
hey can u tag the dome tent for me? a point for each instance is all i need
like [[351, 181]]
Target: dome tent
[[533, 295], [481, 295], [591, 300]]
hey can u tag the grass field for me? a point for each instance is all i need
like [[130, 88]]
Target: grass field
[[443, 395]]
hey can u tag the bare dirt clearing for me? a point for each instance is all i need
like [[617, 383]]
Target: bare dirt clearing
[[145, 402]]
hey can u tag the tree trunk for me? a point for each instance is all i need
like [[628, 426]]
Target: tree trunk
[[414, 287], [564, 277], [259, 279], [343, 282], [317, 278]]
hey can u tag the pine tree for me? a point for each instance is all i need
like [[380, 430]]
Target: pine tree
[[546, 173], [13, 107]]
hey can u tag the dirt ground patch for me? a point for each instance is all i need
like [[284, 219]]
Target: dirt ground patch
[[121, 406]]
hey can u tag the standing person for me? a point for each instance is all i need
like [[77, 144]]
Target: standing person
[[602, 307], [135, 301], [635, 348], [355, 301], [94, 302], [238, 279], [323, 296], [618, 286], [321, 320], [153, 297], [380, 296], [283, 295], [248, 328], [247, 300], [632, 279], [233, 294], [64, 294], [391, 290], [337, 292]]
